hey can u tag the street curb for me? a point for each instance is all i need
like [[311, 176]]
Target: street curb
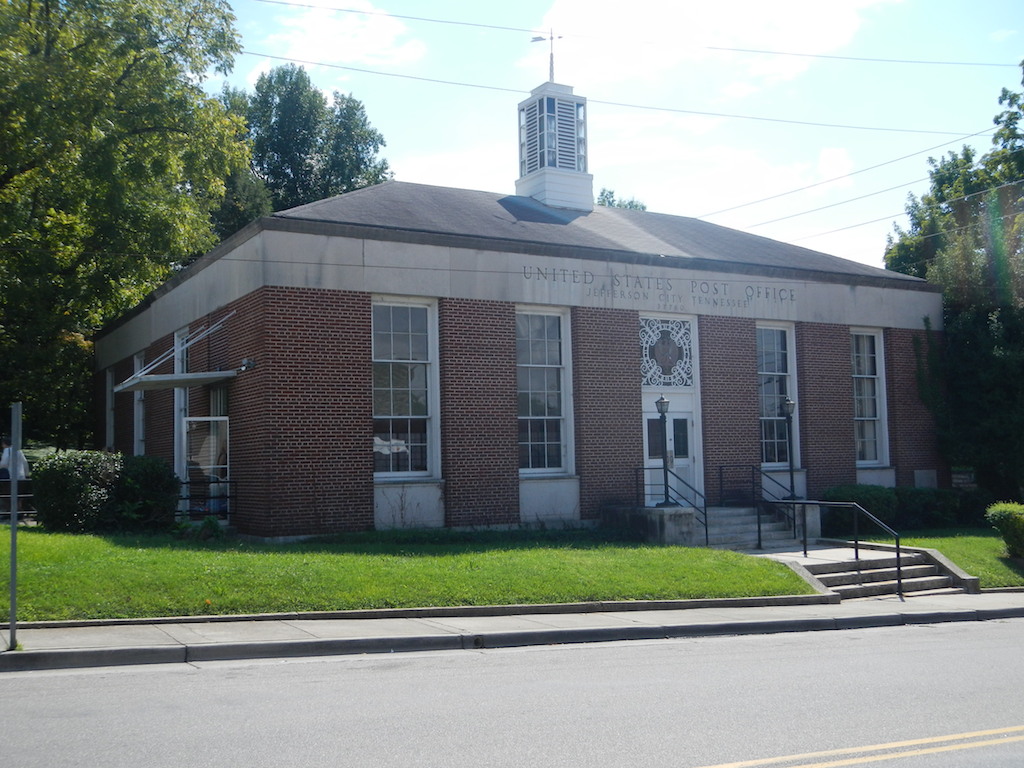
[[14, 661], [522, 609]]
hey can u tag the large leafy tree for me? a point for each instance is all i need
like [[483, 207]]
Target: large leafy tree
[[246, 197], [111, 161], [305, 149], [967, 236]]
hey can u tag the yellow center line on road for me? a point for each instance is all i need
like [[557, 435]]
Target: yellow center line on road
[[794, 760], [910, 753]]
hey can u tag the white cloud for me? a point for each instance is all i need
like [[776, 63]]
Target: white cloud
[[320, 34], [601, 43]]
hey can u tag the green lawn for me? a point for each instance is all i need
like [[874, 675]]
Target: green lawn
[[63, 576], [979, 551]]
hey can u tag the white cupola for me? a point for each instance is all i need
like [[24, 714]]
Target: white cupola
[[553, 148]]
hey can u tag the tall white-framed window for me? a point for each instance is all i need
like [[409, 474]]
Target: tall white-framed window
[[776, 367], [405, 389], [139, 411], [543, 386], [868, 365]]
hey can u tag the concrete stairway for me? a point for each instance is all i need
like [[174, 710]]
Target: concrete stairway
[[736, 528], [877, 577]]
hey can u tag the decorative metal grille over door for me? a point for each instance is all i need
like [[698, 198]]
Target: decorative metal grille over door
[[666, 348]]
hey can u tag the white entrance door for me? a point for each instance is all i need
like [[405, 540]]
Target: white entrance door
[[680, 458]]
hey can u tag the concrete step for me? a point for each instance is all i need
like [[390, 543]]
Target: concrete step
[[865, 563], [748, 527], [863, 576], [878, 588], [875, 575]]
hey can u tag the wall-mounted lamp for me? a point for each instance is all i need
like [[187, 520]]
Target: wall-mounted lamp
[[247, 364]]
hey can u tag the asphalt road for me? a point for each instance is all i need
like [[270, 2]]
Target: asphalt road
[[933, 695]]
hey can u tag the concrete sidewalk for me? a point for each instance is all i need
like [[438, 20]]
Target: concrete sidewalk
[[196, 639]]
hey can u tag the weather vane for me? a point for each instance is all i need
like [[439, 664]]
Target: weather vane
[[551, 66]]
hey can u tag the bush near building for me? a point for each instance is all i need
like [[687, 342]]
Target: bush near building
[[96, 491], [903, 508], [1008, 518]]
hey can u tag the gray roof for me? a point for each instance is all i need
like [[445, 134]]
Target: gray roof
[[442, 215]]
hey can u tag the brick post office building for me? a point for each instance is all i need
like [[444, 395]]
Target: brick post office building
[[411, 355]]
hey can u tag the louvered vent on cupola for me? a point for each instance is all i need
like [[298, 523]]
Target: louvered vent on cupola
[[553, 148]]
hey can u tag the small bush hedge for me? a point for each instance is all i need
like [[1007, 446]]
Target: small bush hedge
[[876, 499], [926, 508], [905, 508], [1008, 518], [145, 497], [95, 491], [71, 489]]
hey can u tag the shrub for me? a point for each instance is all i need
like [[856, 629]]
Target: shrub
[[90, 491], [1008, 518], [973, 505], [145, 497], [71, 488], [926, 508], [876, 499]]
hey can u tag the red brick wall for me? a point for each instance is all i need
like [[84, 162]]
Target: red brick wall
[[479, 450], [825, 406], [300, 421], [304, 414], [912, 440], [608, 406], [729, 409], [251, 452], [124, 405], [159, 408]]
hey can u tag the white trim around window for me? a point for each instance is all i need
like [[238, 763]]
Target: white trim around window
[[776, 380], [406, 389], [544, 391], [867, 353]]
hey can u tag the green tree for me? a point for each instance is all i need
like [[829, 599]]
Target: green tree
[[286, 121], [111, 161], [246, 197], [965, 235], [304, 149], [606, 197], [352, 145]]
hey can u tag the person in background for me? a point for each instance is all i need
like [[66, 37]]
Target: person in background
[[13, 463]]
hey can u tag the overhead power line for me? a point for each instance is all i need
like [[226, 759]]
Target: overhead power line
[[759, 52], [872, 194], [624, 105], [844, 176], [968, 196]]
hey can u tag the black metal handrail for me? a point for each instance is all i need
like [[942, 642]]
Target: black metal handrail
[[858, 510], [769, 493], [208, 498], [698, 502], [736, 485], [783, 505], [24, 497]]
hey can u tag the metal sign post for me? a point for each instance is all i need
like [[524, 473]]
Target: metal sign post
[[12, 639]]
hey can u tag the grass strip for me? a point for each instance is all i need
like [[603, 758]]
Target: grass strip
[[63, 577]]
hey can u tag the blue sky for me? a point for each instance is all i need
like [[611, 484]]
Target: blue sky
[[693, 108]]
